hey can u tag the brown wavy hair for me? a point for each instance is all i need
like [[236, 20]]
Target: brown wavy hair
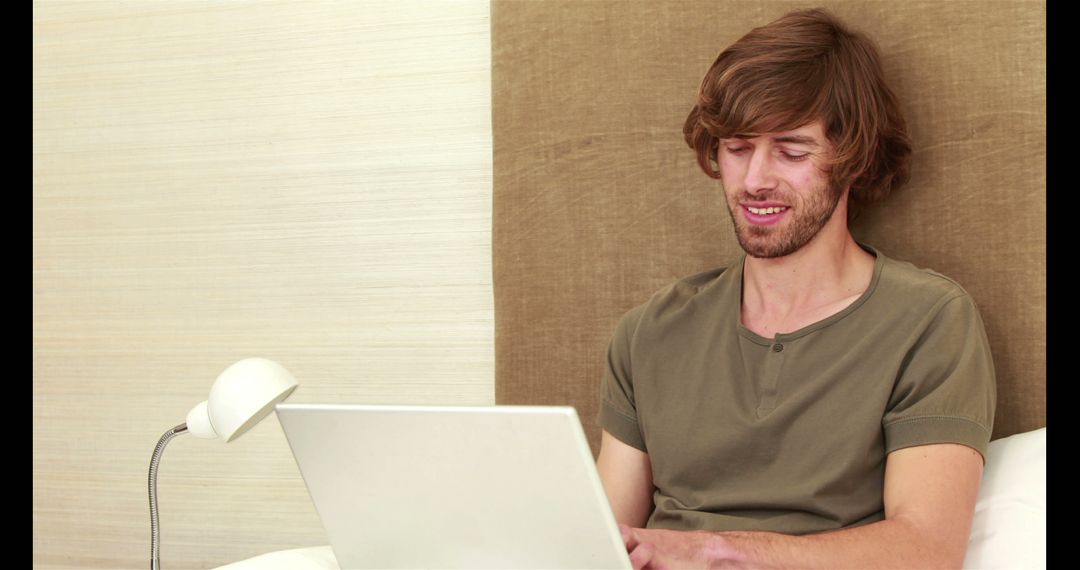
[[803, 67]]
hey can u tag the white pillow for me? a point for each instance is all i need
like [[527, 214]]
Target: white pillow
[[1009, 529]]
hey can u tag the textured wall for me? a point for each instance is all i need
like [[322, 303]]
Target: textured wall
[[598, 202], [304, 181]]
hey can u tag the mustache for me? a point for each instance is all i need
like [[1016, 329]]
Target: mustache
[[771, 195]]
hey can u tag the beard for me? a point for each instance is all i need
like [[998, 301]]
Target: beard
[[806, 216]]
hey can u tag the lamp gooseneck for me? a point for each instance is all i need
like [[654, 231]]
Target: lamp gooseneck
[[155, 553]]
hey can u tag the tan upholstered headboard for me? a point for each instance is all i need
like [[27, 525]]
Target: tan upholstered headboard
[[598, 202]]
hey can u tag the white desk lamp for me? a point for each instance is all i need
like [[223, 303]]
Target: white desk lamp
[[241, 396]]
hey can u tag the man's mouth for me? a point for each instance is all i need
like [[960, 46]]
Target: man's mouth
[[766, 211]]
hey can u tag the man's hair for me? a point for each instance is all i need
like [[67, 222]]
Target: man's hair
[[803, 67]]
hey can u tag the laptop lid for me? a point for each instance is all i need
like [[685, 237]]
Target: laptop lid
[[454, 487]]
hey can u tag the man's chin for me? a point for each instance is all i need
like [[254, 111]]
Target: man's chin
[[764, 248], [767, 248], [767, 254]]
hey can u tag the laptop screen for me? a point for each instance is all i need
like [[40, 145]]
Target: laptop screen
[[454, 487]]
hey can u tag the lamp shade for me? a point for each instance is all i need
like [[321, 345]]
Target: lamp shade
[[241, 396]]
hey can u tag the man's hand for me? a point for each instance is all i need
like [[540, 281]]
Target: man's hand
[[658, 549]]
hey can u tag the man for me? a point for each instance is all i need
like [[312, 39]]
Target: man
[[815, 404]]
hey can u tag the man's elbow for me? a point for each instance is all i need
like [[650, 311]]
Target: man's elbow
[[932, 546]]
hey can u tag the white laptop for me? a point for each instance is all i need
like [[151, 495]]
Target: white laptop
[[454, 487]]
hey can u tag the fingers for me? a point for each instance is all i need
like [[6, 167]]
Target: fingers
[[641, 556], [641, 553], [627, 534], [630, 536]]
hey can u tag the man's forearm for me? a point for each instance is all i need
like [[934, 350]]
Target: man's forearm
[[930, 494], [886, 544], [894, 543]]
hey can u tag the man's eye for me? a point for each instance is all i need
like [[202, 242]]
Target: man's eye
[[796, 157], [735, 149]]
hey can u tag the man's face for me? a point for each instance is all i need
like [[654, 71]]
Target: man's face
[[777, 191]]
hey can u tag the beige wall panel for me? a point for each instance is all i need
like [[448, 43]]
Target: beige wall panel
[[304, 181]]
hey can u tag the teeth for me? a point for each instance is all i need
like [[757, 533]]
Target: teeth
[[764, 211]]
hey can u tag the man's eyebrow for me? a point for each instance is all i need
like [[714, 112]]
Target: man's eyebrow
[[797, 139]]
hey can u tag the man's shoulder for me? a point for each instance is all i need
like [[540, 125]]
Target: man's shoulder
[[682, 294], [695, 284], [904, 281]]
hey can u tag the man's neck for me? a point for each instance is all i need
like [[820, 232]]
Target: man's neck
[[785, 294]]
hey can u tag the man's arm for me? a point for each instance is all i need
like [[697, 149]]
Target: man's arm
[[626, 474], [930, 494]]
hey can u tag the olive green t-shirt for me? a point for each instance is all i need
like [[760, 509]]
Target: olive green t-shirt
[[790, 434]]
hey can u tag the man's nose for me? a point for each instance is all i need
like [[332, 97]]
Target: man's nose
[[759, 172]]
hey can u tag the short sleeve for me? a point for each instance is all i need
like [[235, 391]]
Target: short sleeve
[[946, 391], [618, 411]]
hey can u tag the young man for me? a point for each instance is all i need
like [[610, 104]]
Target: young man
[[815, 404]]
